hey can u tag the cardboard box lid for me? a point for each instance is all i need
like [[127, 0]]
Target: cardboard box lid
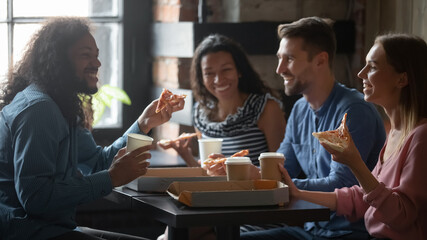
[[176, 172], [159, 179], [230, 193]]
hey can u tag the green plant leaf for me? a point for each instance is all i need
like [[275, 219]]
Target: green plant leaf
[[116, 93], [98, 110], [103, 98]]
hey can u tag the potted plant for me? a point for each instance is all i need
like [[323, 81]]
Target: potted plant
[[94, 105]]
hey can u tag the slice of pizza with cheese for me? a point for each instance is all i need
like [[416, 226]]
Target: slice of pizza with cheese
[[212, 161], [167, 142], [337, 139], [168, 98]]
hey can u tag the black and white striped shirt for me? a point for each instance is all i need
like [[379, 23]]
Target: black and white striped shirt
[[240, 130]]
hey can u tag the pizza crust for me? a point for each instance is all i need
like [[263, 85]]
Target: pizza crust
[[337, 139]]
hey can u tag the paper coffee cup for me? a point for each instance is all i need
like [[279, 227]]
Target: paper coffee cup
[[136, 141], [208, 146], [269, 165], [238, 168]]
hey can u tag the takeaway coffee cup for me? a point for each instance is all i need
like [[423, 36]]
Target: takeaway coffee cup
[[269, 165], [136, 141], [208, 146], [238, 168]]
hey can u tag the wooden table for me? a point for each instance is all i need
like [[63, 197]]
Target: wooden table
[[226, 220]]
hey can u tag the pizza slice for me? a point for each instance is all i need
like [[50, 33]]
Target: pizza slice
[[241, 153], [212, 161], [167, 142], [337, 139], [168, 98]]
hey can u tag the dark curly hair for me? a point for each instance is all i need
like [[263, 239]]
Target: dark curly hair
[[45, 63], [249, 82]]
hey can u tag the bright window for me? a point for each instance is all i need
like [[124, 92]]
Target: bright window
[[20, 20]]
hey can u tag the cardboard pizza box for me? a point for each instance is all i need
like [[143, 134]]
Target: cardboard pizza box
[[159, 179], [230, 193]]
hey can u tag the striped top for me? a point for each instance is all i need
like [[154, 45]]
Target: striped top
[[240, 130]]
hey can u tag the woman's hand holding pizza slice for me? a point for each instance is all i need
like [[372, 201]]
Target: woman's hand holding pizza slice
[[168, 143], [215, 166], [219, 158], [339, 144], [337, 139]]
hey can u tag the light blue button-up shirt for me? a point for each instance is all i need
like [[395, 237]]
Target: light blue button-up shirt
[[304, 154], [47, 168]]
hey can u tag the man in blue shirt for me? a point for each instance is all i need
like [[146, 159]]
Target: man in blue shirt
[[306, 54], [50, 163]]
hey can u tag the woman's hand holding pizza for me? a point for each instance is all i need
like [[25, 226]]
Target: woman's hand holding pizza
[[349, 156], [182, 147], [340, 145], [215, 168]]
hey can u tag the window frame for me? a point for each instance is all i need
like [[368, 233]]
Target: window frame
[[137, 65]]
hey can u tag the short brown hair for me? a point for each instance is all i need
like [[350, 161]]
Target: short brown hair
[[317, 33]]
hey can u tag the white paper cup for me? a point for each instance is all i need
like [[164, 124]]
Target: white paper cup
[[268, 162], [136, 141], [238, 168], [208, 146]]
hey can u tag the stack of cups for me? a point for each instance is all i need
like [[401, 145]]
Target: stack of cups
[[269, 165], [238, 168], [136, 141], [208, 146]]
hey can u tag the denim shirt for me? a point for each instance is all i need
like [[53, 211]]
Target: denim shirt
[[304, 153], [47, 167]]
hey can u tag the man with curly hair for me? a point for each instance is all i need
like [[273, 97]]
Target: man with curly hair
[[49, 162]]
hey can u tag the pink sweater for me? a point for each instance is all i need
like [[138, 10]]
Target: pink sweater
[[397, 208]]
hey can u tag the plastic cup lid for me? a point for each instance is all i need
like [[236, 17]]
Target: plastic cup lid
[[210, 140], [238, 160], [271, 155]]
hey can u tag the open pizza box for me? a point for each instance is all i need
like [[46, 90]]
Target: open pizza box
[[159, 179], [230, 193]]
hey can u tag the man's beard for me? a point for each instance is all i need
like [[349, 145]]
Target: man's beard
[[82, 87], [295, 89]]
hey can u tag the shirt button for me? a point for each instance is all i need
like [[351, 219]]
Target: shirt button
[[314, 150]]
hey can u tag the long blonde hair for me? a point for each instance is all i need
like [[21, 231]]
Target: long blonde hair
[[408, 54]]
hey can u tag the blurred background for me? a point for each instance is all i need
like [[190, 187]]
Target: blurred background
[[146, 45]]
